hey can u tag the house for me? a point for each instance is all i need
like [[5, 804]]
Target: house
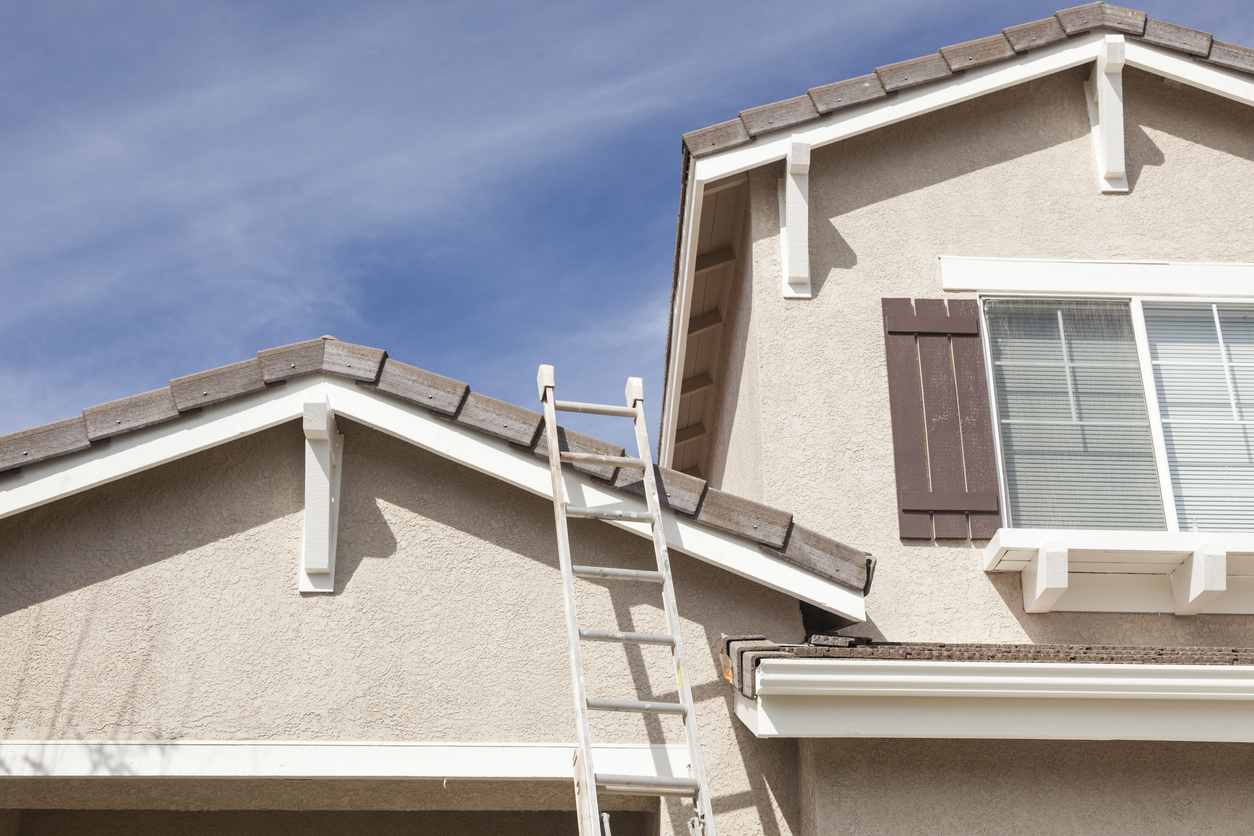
[[983, 315]]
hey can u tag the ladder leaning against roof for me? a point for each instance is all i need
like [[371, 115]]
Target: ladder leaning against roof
[[587, 779]]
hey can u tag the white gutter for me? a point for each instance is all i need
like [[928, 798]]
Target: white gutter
[[1024, 700]]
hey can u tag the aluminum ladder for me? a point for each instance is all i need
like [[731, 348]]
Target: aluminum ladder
[[592, 822]]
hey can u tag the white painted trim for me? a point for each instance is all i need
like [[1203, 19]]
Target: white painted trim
[[1054, 277], [1103, 93], [1045, 577], [144, 449], [997, 700], [324, 453], [1157, 436], [308, 759], [1178, 572], [1209, 77], [794, 225], [679, 322]]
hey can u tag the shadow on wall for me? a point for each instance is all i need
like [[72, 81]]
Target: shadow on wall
[[143, 519], [1129, 629], [928, 150]]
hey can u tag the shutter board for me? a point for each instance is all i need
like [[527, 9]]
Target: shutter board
[[905, 400], [940, 409], [976, 415], [943, 451]]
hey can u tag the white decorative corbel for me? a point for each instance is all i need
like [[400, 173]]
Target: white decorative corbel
[[1202, 578], [1045, 578], [324, 448], [1104, 93], [794, 222]]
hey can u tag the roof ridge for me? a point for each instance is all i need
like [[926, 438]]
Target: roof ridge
[[371, 368], [949, 61]]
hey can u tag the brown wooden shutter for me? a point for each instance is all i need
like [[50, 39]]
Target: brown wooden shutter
[[942, 423]]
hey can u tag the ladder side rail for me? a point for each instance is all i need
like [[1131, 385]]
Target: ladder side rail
[[702, 801], [589, 814]]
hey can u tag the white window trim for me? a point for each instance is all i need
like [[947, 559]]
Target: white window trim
[[809, 698], [1070, 570], [105, 759]]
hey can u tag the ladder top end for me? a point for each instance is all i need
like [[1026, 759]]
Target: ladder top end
[[635, 390], [544, 380]]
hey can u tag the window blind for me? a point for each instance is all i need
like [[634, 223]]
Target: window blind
[[1203, 360], [1075, 433]]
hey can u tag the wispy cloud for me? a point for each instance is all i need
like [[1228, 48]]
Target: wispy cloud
[[477, 187]]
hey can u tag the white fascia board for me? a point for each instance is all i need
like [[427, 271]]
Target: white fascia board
[[307, 759], [999, 700], [1209, 77], [679, 323], [1081, 277], [144, 449]]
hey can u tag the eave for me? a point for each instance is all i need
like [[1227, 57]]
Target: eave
[[489, 436], [812, 698]]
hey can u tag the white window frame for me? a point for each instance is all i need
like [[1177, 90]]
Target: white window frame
[[1092, 571], [1134, 282]]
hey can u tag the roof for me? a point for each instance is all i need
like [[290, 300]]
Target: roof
[[371, 369], [742, 654], [951, 60]]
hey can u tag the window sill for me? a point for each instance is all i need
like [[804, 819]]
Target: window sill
[[1184, 573]]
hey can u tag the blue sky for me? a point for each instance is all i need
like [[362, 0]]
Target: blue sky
[[478, 187]]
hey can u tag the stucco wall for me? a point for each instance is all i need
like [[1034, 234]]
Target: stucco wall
[[165, 606], [1010, 175], [956, 788]]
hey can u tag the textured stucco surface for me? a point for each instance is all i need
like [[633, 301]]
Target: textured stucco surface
[[164, 606], [1008, 175], [955, 788]]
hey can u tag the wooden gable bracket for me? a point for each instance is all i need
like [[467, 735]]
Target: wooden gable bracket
[[1104, 94], [324, 453], [794, 222]]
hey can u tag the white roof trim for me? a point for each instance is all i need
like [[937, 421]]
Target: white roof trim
[[1083, 277], [899, 107], [1001, 700], [305, 759], [134, 452]]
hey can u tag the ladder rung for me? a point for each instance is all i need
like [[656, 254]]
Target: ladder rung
[[648, 707], [616, 574], [611, 461], [626, 638], [646, 785], [606, 514], [595, 409]]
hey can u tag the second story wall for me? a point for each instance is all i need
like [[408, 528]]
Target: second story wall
[[1009, 175]]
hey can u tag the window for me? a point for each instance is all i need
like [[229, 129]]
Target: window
[[1101, 405]]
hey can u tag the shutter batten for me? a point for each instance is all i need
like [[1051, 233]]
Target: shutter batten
[[942, 425]]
